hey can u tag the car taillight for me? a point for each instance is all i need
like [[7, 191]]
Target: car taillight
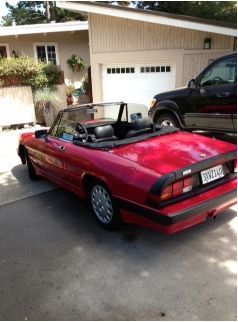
[[176, 189], [187, 184], [235, 166], [167, 193]]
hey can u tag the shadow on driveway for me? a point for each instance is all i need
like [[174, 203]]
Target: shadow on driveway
[[58, 264]]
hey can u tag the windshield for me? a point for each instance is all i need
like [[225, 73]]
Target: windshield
[[96, 112], [110, 112]]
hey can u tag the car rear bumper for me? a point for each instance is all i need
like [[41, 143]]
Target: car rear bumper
[[177, 217]]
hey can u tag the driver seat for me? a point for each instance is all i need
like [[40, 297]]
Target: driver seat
[[104, 133]]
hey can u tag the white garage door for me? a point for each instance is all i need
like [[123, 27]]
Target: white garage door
[[136, 83]]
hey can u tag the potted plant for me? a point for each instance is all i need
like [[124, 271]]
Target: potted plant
[[70, 89], [76, 63]]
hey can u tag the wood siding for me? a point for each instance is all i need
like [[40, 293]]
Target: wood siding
[[110, 34], [68, 43], [118, 40]]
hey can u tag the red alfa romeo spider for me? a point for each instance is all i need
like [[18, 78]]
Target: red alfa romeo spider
[[132, 171]]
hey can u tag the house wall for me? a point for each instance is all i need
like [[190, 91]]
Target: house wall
[[68, 43], [117, 40]]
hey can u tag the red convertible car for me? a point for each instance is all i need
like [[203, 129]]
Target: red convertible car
[[132, 171]]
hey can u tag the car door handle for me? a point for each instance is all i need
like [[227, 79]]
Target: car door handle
[[61, 147], [224, 94]]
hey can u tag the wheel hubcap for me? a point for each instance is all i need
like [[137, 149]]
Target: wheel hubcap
[[167, 123], [102, 204]]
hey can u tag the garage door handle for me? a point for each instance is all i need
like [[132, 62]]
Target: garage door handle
[[61, 147], [224, 94]]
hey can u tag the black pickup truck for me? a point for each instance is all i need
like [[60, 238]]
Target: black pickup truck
[[208, 103]]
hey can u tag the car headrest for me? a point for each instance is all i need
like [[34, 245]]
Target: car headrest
[[105, 131], [143, 123], [140, 124]]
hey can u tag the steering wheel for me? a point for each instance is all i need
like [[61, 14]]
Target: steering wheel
[[217, 80], [81, 132]]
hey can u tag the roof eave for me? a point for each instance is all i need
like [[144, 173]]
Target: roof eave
[[43, 28], [145, 17]]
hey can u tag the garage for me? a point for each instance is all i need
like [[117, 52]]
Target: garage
[[135, 54], [137, 83]]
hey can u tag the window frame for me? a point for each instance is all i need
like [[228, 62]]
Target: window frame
[[45, 44], [210, 67]]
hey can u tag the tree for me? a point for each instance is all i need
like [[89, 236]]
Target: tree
[[33, 12], [216, 10], [25, 12]]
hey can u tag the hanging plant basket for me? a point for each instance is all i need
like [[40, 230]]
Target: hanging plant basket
[[76, 63]]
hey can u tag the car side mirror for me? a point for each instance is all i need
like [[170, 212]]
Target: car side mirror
[[192, 84], [40, 134]]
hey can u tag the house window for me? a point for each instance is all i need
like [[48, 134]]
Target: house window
[[47, 53]]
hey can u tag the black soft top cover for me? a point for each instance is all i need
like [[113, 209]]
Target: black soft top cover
[[107, 145]]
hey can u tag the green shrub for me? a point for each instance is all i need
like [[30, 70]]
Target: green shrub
[[22, 67], [46, 96], [24, 70], [53, 73], [39, 80], [44, 100], [19, 69]]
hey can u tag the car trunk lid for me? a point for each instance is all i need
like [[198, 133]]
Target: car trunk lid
[[169, 153]]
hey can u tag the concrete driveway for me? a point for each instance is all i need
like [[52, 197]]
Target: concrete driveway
[[56, 263]]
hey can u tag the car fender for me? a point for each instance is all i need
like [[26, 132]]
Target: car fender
[[88, 178], [114, 181], [167, 106]]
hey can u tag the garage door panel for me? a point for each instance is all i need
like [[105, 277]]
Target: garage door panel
[[137, 83]]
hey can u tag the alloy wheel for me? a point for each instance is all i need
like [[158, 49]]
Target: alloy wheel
[[167, 123], [102, 204]]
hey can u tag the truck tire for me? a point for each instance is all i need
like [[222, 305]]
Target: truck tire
[[168, 120]]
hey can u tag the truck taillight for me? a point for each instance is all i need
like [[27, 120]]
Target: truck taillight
[[176, 189]]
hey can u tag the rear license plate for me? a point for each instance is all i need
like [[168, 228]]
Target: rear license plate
[[212, 174]]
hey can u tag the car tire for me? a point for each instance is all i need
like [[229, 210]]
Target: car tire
[[168, 120], [104, 207], [31, 171]]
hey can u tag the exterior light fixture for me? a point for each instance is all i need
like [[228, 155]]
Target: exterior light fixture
[[207, 43]]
